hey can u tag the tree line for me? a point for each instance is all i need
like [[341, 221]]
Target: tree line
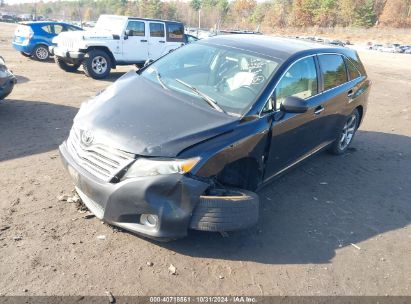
[[236, 14]]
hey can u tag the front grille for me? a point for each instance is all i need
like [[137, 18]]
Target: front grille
[[99, 160], [68, 44]]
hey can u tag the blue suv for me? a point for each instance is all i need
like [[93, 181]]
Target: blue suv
[[34, 38]]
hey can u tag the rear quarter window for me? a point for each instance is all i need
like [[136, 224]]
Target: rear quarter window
[[175, 32], [352, 69], [333, 70], [47, 29]]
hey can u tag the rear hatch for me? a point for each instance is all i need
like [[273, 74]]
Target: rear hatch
[[22, 34]]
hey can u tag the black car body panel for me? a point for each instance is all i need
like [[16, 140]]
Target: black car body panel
[[7, 80], [167, 123], [151, 122]]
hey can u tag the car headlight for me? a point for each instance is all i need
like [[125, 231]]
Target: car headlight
[[152, 167], [2, 62]]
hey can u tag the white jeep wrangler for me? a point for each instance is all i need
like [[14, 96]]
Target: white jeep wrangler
[[116, 40]]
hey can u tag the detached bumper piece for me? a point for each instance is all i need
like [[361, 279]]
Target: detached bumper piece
[[234, 209], [159, 207]]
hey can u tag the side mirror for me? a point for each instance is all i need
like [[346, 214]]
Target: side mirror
[[293, 104], [128, 33], [148, 62]]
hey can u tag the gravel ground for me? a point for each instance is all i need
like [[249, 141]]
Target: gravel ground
[[332, 226]]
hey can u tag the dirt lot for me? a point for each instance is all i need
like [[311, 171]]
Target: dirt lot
[[303, 244]]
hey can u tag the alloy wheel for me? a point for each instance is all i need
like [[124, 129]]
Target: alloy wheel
[[99, 65], [42, 53], [348, 132]]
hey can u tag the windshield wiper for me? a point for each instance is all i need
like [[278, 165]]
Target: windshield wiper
[[159, 78], [207, 98]]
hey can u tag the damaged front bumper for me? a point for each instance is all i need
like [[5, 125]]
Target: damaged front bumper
[[171, 198]]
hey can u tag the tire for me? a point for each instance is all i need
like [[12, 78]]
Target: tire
[[237, 210], [337, 147], [97, 64], [41, 53], [66, 66], [25, 54]]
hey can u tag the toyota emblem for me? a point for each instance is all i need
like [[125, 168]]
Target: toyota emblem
[[87, 137]]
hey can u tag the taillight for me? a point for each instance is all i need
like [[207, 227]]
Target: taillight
[[24, 32]]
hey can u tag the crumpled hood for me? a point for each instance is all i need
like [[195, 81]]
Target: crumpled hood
[[140, 117]]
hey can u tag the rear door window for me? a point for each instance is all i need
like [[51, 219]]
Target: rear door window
[[300, 81], [156, 29], [333, 70], [175, 32], [58, 28]]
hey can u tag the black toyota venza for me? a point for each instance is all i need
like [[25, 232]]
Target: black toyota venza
[[181, 143]]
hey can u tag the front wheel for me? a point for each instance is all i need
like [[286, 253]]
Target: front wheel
[[66, 66], [41, 53], [97, 64], [346, 135]]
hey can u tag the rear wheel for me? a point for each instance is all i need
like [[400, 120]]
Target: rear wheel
[[226, 210], [41, 53], [66, 66], [97, 64], [341, 145]]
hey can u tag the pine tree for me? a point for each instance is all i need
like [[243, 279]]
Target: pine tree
[[365, 15]]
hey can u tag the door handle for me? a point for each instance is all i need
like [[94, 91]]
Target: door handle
[[318, 110], [143, 40], [162, 41], [350, 93]]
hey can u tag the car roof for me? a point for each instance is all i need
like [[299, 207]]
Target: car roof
[[45, 23], [270, 46], [157, 20], [144, 19]]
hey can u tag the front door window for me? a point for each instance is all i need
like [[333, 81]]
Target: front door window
[[300, 81]]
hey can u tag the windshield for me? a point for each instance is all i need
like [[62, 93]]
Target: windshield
[[113, 24], [227, 79]]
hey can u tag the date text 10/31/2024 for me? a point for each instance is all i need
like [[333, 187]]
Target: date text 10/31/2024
[[203, 299]]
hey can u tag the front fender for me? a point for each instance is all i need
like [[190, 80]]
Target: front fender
[[247, 140]]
